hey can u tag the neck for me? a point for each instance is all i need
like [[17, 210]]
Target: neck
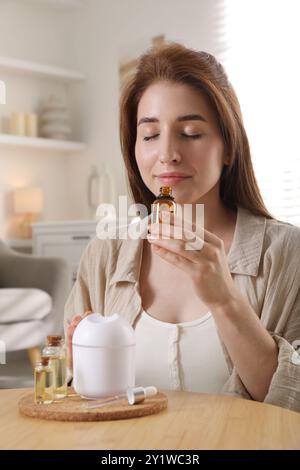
[[217, 216]]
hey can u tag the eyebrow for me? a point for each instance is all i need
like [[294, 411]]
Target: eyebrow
[[187, 117]]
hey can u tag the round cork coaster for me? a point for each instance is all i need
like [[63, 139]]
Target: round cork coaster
[[71, 408]]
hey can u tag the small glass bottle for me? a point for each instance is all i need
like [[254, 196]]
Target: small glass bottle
[[163, 202], [43, 382], [55, 350]]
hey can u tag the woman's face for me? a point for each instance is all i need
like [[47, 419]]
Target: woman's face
[[177, 132]]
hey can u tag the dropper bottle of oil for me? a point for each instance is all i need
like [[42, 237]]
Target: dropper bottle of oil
[[164, 202], [55, 350]]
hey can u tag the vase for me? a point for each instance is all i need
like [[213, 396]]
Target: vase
[[55, 120]]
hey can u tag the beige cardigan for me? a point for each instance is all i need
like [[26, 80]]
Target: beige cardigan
[[264, 261]]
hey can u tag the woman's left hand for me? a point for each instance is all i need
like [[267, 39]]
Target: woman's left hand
[[207, 267]]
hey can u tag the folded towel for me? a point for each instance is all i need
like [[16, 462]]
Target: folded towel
[[21, 305]]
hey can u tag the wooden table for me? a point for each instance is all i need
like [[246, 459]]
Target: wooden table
[[192, 421]]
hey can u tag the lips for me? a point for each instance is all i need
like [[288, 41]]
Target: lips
[[172, 179]]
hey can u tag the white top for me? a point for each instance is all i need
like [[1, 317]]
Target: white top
[[180, 356]]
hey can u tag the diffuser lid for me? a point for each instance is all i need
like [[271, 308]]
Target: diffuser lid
[[112, 331]]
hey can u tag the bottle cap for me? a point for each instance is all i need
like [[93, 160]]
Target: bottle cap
[[166, 190], [54, 340], [138, 394]]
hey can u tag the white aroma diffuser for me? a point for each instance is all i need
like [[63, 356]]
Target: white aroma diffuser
[[103, 356]]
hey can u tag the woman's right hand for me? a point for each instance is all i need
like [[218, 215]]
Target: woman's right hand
[[70, 331]]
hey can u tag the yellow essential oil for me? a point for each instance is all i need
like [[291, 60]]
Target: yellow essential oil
[[55, 350], [59, 365], [43, 382]]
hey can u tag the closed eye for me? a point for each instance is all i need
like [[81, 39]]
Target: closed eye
[[194, 136], [150, 137]]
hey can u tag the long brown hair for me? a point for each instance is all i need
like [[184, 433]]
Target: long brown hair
[[175, 63]]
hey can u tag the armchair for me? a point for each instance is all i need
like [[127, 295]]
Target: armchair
[[49, 277]]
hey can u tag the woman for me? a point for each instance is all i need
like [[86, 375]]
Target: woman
[[223, 319]]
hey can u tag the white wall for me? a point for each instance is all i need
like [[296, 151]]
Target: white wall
[[110, 32], [38, 34], [93, 39]]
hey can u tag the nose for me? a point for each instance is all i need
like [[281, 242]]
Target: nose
[[168, 152]]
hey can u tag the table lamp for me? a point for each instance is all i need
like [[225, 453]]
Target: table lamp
[[29, 202], [2, 93]]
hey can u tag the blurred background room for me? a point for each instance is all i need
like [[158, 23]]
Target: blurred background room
[[62, 65]]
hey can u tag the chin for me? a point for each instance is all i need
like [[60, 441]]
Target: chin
[[184, 197]]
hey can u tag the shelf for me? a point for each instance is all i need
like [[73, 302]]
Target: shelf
[[22, 67], [40, 143]]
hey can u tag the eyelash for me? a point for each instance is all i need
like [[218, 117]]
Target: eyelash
[[196, 136]]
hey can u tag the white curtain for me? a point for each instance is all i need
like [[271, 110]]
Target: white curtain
[[262, 58]]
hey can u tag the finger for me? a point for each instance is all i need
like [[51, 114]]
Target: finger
[[70, 333], [72, 327], [189, 250], [195, 227], [169, 218], [178, 219], [73, 324], [88, 312], [75, 321], [76, 318], [166, 231], [185, 222]]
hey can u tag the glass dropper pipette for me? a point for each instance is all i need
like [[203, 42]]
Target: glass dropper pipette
[[134, 395]]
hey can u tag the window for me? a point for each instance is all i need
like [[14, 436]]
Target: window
[[261, 57]]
